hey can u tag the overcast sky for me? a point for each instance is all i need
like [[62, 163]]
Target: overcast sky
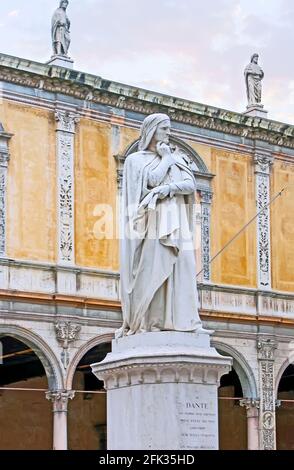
[[194, 49]]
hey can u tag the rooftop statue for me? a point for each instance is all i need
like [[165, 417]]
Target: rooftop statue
[[253, 77], [60, 30]]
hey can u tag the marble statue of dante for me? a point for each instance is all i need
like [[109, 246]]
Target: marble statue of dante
[[253, 77], [158, 269], [60, 30]]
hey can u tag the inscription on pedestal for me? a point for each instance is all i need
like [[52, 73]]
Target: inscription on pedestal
[[198, 422]]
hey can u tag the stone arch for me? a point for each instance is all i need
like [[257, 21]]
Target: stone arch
[[283, 368], [242, 368], [41, 349], [106, 338]]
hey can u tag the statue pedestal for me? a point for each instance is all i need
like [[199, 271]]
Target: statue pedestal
[[61, 61], [162, 391], [256, 110]]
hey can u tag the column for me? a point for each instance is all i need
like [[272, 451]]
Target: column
[[263, 164], [4, 159], [206, 199], [252, 411], [267, 418], [60, 399], [65, 133], [65, 140]]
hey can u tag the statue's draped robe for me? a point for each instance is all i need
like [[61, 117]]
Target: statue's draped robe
[[60, 29], [158, 269], [253, 77]]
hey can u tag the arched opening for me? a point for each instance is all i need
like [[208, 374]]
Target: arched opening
[[23, 406], [87, 412], [232, 417], [285, 413]]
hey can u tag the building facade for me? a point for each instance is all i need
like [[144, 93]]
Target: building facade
[[64, 136]]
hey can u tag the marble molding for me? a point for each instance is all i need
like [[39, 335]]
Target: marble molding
[[162, 381]]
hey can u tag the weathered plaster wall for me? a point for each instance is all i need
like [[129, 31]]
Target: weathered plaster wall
[[233, 206], [282, 227], [31, 199]]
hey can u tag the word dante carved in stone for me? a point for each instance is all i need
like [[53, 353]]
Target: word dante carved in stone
[[202, 406]]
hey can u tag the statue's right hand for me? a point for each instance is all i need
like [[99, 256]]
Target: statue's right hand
[[163, 150]]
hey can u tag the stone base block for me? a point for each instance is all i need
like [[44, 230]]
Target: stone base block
[[61, 61], [162, 391], [256, 111]]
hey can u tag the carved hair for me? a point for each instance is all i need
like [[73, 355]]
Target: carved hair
[[148, 128], [254, 55]]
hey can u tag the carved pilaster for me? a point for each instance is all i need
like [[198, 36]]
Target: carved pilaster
[[66, 333], [65, 156], [263, 164], [120, 169], [266, 354], [206, 199], [4, 159], [60, 398]]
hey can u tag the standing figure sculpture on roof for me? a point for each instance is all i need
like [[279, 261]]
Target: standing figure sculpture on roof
[[253, 77], [158, 268], [60, 30]]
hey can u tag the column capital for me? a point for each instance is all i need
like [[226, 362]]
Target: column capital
[[66, 120], [263, 162], [66, 333], [249, 403], [60, 399], [206, 195], [266, 349]]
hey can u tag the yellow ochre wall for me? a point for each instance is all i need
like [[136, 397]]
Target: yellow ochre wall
[[31, 201], [233, 206], [282, 227], [96, 191], [96, 201]]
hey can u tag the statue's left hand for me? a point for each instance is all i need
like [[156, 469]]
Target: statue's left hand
[[162, 191]]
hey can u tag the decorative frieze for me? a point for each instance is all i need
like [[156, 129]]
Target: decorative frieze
[[4, 159], [266, 353], [66, 333], [65, 131], [263, 164], [15, 70]]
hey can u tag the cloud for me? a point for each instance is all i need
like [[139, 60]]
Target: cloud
[[13, 13]]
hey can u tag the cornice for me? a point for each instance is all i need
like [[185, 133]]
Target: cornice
[[109, 305], [91, 88]]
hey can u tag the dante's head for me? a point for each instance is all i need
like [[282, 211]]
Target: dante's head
[[254, 58], [63, 4], [155, 128]]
